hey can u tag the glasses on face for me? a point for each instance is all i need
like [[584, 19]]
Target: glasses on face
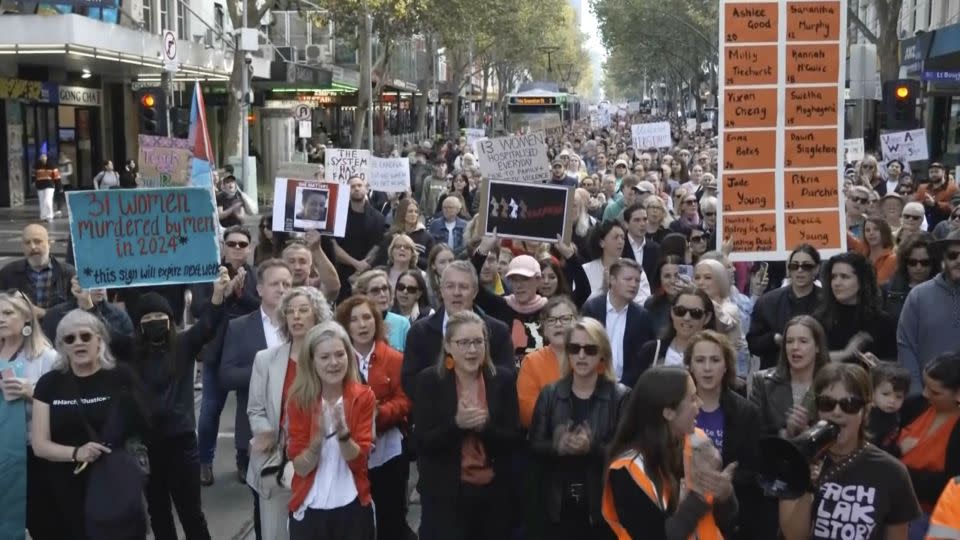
[[849, 404], [403, 247], [709, 214], [868, 166], [563, 319], [701, 238], [237, 244], [683, 311], [952, 255], [383, 289], [412, 289], [574, 349], [302, 310], [690, 201], [84, 337], [860, 200], [918, 262], [468, 344], [806, 267], [911, 217]]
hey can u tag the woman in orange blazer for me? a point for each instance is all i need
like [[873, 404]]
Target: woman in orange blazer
[[330, 420], [379, 367]]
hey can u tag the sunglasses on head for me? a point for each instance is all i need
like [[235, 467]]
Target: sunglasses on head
[[84, 337], [237, 244], [683, 311], [574, 349], [412, 289], [806, 267], [849, 405]]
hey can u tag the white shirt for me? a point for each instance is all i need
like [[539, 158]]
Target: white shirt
[[637, 249], [270, 331], [333, 485], [616, 326], [364, 363], [594, 272]]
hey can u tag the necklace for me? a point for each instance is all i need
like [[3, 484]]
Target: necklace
[[833, 470]]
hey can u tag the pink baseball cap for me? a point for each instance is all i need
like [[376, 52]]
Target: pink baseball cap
[[524, 265]]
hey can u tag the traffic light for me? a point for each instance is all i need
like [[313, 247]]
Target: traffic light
[[180, 122], [152, 111], [900, 100]]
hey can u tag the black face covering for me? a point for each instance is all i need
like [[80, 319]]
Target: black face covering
[[155, 331]]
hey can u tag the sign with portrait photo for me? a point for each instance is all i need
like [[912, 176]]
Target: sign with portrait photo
[[534, 212], [308, 205]]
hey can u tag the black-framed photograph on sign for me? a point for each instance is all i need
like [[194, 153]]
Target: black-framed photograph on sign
[[532, 212]]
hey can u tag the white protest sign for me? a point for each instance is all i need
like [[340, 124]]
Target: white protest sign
[[706, 125], [474, 135], [853, 150], [343, 163], [521, 158], [905, 145], [389, 175], [652, 135], [691, 125]]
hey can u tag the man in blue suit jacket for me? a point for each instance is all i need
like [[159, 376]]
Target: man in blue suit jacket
[[635, 218], [628, 325]]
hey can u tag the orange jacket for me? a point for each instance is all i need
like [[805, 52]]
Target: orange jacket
[[383, 376], [538, 369], [885, 266], [359, 404], [945, 520], [942, 196], [706, 528]]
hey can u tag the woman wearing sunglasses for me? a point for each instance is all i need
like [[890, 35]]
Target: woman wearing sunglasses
[[929, 441], [379, 368], [574, 420], [859, 491], [665, 283], [917, 262], [912, 219], [690, 312], [731, 421], [411, 296], [376, 285], [86, 388], [25, 356], [466, 430], [401, 256], [783, 393], [775, 307]]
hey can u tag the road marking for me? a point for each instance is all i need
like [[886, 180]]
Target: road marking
[[226, 435]]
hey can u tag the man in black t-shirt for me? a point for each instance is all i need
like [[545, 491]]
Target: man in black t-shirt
[[365, 227], [230, 203]]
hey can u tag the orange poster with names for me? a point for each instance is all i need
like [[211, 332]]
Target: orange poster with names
[[780, 170]]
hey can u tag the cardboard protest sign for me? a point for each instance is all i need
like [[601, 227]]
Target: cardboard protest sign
[[164, 161], [906, 146], [651, 135], [521, 158], [691, 126], [301, 205], [781, 144], [853, 150], [128, 237], [342, 163], [474, 135], [389, 175], [535, 212]]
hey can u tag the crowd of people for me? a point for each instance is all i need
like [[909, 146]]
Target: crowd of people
[[617, 385]]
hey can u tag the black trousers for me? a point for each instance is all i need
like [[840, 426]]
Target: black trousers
[[39, 521], [351, 522], [388, 486], [175, 474]]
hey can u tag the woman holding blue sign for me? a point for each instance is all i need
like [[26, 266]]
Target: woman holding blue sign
[[25, 355]]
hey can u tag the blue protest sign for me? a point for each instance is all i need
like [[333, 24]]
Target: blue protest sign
[[129, 237]]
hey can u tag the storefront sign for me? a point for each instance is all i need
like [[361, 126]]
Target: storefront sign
[[80, 96], [942, 76], [913, 51], [26, 90], [346, 77]]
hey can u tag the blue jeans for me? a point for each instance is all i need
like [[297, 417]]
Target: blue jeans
[[211, 406]]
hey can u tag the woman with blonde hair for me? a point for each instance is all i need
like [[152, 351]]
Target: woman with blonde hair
[[25, 356], [407, 220], [712, 277], [401, 256], [574, 420], [330, 417], [467, 426]]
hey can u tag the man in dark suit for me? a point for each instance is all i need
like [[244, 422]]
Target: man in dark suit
[[628, 325], [458, 288], [636, 246]]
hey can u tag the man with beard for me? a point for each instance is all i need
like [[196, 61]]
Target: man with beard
[[45, 280], [936, 195], [365, 227]]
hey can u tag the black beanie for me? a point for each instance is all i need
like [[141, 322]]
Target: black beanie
[[152, 303]]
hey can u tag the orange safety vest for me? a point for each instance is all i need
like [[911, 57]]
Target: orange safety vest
[[632, 461], [945, 520]]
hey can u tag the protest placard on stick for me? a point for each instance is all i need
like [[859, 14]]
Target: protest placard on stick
[[340, 164], [651, 135], [521, 158], [128, 237], [389, 175], [164, 161]]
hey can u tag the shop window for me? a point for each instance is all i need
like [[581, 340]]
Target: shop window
[[182, 20]]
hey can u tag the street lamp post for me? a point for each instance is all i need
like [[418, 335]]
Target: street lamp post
[[549, 50]]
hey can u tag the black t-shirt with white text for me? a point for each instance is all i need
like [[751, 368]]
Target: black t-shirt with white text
[[860, 502]]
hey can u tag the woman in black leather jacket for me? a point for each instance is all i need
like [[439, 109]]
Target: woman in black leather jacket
[[574, 420]]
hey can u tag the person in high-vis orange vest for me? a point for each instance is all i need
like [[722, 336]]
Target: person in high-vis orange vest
[[945, 519], [643, 500]]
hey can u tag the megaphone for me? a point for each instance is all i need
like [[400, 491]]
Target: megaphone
[[784, 470]]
